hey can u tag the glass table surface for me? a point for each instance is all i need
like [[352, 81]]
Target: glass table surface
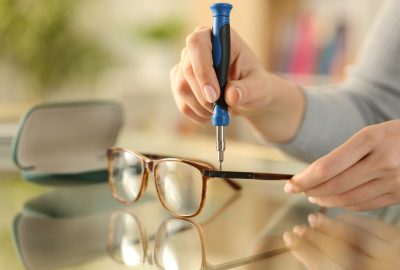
[[83, 227]]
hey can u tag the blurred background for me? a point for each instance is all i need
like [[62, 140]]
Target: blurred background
[[123, 50]]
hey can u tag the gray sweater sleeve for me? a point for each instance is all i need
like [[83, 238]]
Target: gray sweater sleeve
[[370, 95]]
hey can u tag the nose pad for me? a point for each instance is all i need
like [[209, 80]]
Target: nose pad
[[146, 173], [150, 166], [149, 169]]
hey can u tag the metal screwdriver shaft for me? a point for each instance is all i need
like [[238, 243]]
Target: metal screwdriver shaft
[[221, 51], [220, 145]]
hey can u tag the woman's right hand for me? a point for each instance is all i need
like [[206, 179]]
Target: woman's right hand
[[272, 105], [195, 85]]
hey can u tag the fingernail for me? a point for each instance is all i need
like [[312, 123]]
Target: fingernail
[[239, 92], [210, 93], [288, 188], [312, 200], [312, 219], [288, 238]]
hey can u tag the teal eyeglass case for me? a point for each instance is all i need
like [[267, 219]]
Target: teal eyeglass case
[[66, 143]]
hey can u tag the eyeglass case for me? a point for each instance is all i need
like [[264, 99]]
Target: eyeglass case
[[66, 142]]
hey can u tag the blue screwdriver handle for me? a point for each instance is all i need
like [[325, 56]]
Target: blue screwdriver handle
[[221, 52]]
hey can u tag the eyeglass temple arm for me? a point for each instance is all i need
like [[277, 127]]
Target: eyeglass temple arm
[[246, 175]]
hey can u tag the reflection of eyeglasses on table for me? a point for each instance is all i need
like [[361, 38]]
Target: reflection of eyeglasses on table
[[180, 183], [128, 244]]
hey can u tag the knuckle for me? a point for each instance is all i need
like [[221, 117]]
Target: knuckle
[[392, 160], [205, 104], [182, 88], [200, 28], [322, 168], [202, 72], [372, 135], [344, 200], [192, 40], [185, 110], [332, 187], [187, 68]]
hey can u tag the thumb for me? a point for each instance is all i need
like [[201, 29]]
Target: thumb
[[241, 91], [234, 93], [249, 90]]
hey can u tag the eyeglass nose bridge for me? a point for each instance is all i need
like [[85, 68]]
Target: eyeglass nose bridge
[[149, 165]]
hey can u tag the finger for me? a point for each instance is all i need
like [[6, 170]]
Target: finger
[[187, 111], [240, 93], [172, 76], [349, 233], [385, 232], [358, 195], [183, 91], [354, 176], [375, 203], [183, 55], [234, 93], [199, 49], [237, 92], [339, 160], [184, 97], [307, 254], [200, 28], [201, 105], [336, 249]]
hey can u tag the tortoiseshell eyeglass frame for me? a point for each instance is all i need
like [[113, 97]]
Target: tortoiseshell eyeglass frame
[[150, 162]]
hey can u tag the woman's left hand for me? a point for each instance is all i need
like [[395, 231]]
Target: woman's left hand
[[361, 174], [349, 242]]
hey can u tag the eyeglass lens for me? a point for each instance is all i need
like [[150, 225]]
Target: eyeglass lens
[[127, 174], [174, 251], [180, 186], [125, 240]]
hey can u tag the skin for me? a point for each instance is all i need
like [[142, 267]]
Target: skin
[[272, 105], [361, 174], [349, 242]]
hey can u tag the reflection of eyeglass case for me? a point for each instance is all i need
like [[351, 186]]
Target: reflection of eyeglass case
[[69, 226], [66, 142]]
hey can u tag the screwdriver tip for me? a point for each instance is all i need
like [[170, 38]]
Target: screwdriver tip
[[220, 165]]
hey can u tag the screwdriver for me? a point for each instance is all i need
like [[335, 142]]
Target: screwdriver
[[221, 52]]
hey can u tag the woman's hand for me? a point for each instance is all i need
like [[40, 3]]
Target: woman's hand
[[195, 85], [361, 174], [272, 105], [351, 242]]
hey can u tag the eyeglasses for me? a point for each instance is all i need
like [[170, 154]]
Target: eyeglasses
[[175, 241], [180, 183]]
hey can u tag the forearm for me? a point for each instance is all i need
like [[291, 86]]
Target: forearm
[[370, 95], [331, 116], [308, 123]]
